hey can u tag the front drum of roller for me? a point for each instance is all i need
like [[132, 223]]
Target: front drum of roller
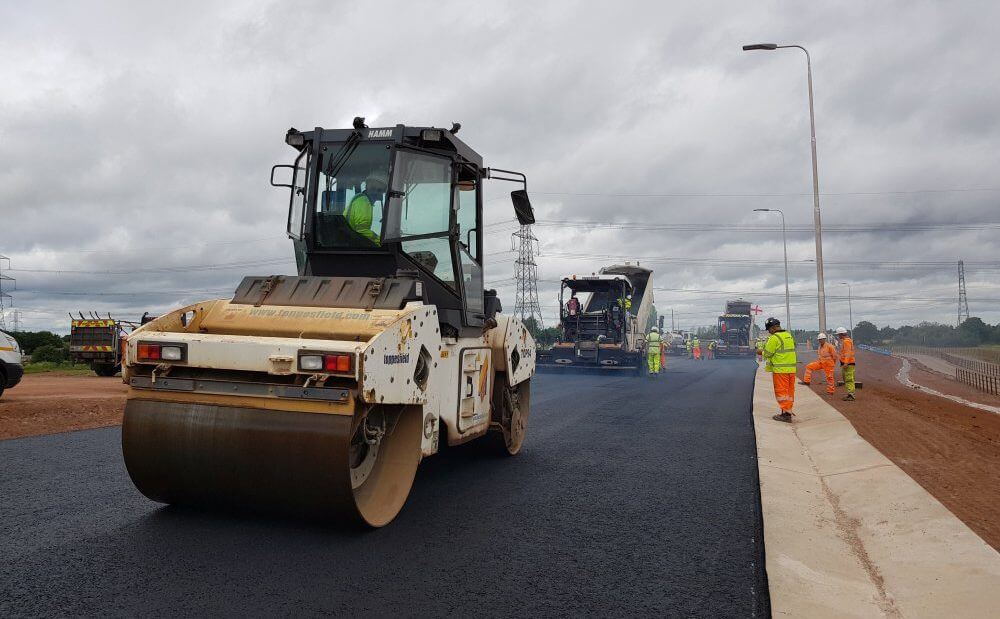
[[319, 465]]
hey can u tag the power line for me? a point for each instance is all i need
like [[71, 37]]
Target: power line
[[766, 195], [173, 269], [749, 227]]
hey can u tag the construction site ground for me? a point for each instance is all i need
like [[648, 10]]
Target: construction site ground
[[51, 402], [631, 497], [952, 450]]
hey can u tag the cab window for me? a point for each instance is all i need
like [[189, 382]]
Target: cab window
[[419, 214]]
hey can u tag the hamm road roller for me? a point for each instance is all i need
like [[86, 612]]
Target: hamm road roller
[[320, 393]]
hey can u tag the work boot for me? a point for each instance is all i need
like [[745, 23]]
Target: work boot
[[802, 382], [784, 416], [849, 397]]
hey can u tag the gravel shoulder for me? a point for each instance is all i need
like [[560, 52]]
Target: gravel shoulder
[[52, 403]]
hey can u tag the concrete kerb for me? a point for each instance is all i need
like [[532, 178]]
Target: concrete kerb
[[848, 533]]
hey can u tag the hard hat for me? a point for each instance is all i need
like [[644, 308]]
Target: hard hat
[[841, 331], [378, 176], [821, 336], [772, 322], [628, 296], [654, 330]]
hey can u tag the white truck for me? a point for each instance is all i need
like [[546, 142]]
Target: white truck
[[11, 369]]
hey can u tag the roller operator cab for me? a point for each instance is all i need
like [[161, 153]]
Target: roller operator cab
[[11, 369], [321, 392]]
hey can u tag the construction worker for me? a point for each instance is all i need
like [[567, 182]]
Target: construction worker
[[359, 212], [826, 360], [760, 346], [696, 347], [712, 345], [663, 355], [573, 305], [847, 362], [779, 355], [653, 351], [687, 346]]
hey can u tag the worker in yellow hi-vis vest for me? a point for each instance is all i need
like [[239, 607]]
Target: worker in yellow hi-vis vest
[[779, 353]]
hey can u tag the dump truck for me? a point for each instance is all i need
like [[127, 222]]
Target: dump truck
[[97, 342], [320, 393], [604, 329], [736, 330]]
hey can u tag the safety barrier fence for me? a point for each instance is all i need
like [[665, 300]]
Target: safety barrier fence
[[986, 368], [983, 382], [876, 349]]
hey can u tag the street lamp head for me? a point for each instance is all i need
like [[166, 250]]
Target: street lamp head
[[756, 46], [762, 210]]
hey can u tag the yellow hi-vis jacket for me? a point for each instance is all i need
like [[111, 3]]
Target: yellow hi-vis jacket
[[779, 352], [653, 343], [359, 217]]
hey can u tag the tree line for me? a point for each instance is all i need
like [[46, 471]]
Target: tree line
[[43, 345], [972, 332]]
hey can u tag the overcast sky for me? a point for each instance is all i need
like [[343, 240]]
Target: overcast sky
[[136, 141]]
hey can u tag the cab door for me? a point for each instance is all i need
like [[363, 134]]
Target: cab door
[[467, 203]]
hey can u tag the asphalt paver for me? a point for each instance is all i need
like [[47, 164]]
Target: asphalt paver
[[632, 496]]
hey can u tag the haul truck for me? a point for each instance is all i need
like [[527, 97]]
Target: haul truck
[[602, 335], [736, 330], [97, 342], [320, 393]]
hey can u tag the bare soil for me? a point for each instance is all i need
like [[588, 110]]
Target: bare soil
[[50, 403], [952, 450]]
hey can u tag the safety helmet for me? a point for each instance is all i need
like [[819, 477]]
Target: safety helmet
[[821, 336], [628, 296], [772, 322], [841, 331], [378, 176], [654, 330]]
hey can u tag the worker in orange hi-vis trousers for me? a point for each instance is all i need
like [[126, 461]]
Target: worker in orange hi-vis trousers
[[696, 347], [779, 355], [826, 360]]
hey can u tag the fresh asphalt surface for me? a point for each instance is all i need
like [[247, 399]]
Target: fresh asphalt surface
[[631, 497]]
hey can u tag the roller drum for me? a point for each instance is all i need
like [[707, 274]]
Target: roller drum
[[237, 457]]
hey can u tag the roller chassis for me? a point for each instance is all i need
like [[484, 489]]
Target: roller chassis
[[406, 372], [386, 373]]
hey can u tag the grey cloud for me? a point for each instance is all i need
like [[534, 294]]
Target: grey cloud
[[136, 137]]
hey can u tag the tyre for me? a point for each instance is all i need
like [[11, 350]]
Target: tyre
[[509, 424], [105, 369]]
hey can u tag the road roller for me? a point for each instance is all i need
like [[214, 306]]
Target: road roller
[[319, 393]]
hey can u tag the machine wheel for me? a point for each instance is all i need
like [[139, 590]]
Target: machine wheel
[[105, 369], [331, 467], [383, 456], [511, 407]]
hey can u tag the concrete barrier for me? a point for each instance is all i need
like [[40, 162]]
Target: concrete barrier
[[848, 534]]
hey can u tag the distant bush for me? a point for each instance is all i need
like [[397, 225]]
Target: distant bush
[[31, 340], [50, 354]]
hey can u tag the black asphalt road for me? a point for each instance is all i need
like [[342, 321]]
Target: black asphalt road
[[631, 497]]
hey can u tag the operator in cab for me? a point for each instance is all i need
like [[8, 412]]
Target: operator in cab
[[359, 213]]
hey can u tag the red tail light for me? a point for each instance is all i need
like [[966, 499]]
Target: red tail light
[[149, 352], [337, 363]]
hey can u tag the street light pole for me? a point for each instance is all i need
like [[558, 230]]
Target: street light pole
[[784, 244], [850, 308], [817, 221]]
